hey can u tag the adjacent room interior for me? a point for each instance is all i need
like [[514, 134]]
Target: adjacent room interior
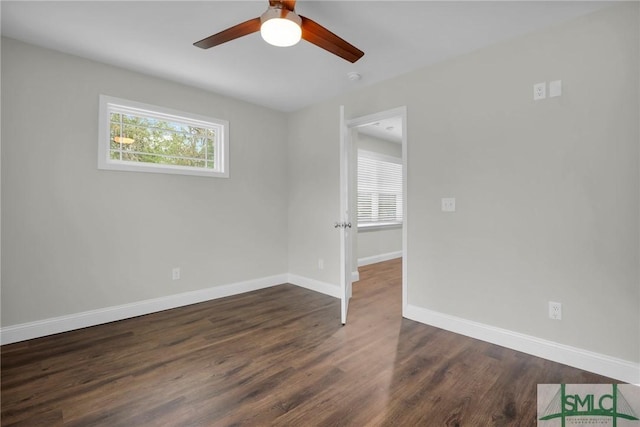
[[185, 221]]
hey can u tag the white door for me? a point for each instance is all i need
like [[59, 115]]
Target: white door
[[344, 224]]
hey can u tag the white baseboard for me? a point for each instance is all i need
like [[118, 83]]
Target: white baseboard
[[355, 276], [583, 359], [379, 258], [611, 367], [315, 285], [25, 331]]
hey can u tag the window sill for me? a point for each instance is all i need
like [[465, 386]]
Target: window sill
[[116, 165], [378, 227]]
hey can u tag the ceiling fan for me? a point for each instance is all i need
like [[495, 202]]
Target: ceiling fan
[[281, 26]]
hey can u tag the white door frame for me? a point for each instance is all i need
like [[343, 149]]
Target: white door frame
[[346, 144]]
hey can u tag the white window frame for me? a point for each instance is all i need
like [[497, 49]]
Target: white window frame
[[221, 127], [381, 224]]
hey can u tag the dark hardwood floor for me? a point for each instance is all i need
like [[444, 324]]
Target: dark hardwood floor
[[277, 356]]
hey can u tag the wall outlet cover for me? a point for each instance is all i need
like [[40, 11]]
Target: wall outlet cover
[[448, 204], [539, 91], [555, 310]]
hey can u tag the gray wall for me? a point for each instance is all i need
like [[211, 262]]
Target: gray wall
[[381, 241], [547, 192], [370, 143], [314, 192], [76, 238]]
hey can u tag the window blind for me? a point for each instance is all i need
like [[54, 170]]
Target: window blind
[[379, 189]]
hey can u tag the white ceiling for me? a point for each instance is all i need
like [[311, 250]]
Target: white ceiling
[[156, 37], [389, 129]]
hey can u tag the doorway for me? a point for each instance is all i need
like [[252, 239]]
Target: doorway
[[382, 212]]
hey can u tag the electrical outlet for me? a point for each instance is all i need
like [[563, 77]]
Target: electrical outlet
[[555, 310], [448, 204], [539, 91], [175, 273]]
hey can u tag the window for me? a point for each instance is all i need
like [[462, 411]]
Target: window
[[379, 189], [145, 138]]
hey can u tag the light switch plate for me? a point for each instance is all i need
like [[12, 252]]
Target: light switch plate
[[555, 88]]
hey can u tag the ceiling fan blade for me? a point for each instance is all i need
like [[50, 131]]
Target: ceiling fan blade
[[237, 31], [288, 4], [321, 37]]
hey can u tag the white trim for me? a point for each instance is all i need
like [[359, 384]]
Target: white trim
[[365, 228], [405, 198], [379, 258], [40, 328], [376, 117], [609, 366], [372, 118], [355, 276], [583, 359], [315, 285]]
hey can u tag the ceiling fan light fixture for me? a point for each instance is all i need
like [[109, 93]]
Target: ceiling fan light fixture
[[123, 140], [280, 27]]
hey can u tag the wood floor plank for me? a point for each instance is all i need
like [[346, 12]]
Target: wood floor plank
[[277, 356]]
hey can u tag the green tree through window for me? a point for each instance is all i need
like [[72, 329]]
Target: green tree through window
[[142, 136], [139, 139]]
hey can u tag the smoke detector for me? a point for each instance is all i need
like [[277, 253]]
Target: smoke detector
[[354, 76]]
